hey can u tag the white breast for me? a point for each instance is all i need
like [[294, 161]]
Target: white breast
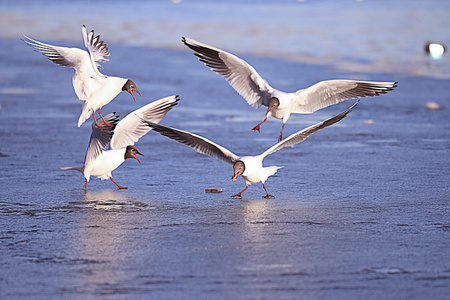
[[254, 171], [109, 89], [283, 111], [108, 162]]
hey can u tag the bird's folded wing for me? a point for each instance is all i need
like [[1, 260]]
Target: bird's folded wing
[[196, 142], [130, 129], [301, 135], [326, 93], [99, 139], [239, 74]]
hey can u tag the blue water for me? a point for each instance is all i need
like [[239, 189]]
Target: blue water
[[361, 208], [351, 36]]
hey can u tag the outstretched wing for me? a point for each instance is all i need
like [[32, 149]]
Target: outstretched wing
[[301, 135], [196, 142], [100, 137], [329, 92], [239, 74], [130, 129], [63, 56], [98, 50]]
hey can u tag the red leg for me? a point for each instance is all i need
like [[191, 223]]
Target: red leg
[[85, 183], [106, 123], [240, 194], [120, 187], [257, 127], [281, 133], [95, 121], [267, 194]]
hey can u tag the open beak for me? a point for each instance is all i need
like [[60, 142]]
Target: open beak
[[135, 156], [234, 177], [132, 94]]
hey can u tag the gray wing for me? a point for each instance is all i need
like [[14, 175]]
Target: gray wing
[[99, 139], [239, 74], [329, 92], [300, 136], [98, 50], [63, 56], [196, 142], [130, 129]]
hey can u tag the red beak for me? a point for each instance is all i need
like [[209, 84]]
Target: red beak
[[138, 158], [132, 94], [234, 177]]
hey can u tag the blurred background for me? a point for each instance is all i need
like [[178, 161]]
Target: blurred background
[[353, 36]]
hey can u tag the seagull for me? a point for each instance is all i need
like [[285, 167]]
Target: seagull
[[91, 86], [250, 167], [121, 137], [257, 91]]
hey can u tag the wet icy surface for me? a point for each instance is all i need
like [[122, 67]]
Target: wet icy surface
[[361, 210]]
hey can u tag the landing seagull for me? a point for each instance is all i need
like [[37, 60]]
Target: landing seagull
[[250, 167], [121, 137], [91, 86], [256, 91]]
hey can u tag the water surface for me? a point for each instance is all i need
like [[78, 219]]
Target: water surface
[[361, 210]]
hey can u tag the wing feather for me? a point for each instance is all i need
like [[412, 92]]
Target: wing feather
[[63, 56], [329, 92], [301, 135], [98, 50], [99, 139], [130, 129], [196, 142], [239, 74]]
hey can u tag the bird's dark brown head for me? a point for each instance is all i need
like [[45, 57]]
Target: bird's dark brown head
[[239, 168], [130, 87], [273, 103], [131, 153]]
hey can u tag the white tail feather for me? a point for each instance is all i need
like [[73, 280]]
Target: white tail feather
[[85, 114], [271, 170]]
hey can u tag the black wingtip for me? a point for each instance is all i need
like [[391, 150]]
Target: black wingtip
[[183, 39], [348, 110]]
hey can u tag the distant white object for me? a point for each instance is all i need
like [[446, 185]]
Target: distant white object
[[433, 106], [435, 50]]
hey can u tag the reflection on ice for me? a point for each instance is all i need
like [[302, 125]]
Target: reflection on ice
[[255, 211], [112, 200]]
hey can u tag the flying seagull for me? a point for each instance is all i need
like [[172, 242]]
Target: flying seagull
[[257, 91]]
